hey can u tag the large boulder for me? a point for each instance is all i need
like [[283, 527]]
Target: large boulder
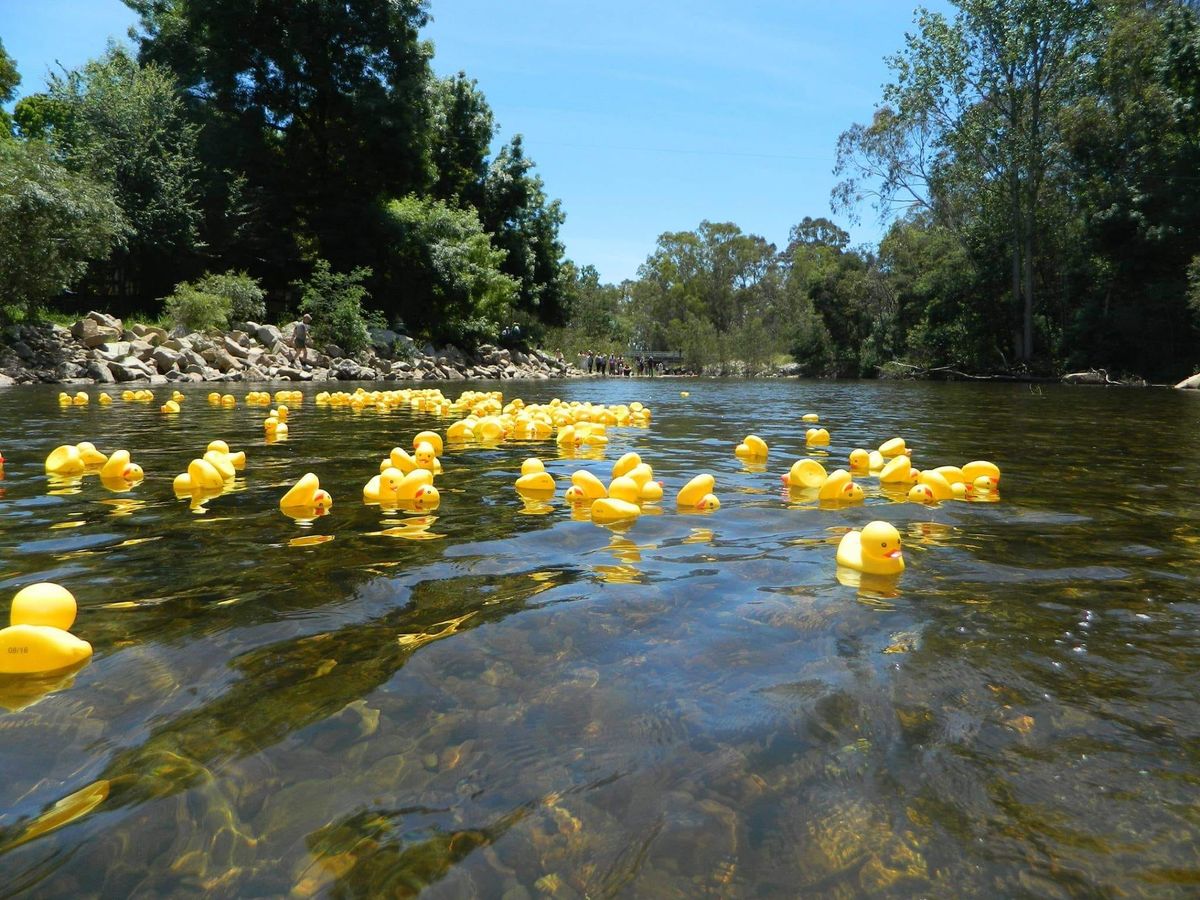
[[221, 360], [131, 369], [233, 348], [165, 358], [99, 372], [114, 351], [1192, 384], [106, 320]]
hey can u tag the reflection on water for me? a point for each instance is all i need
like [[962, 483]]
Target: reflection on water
[[502, 699]]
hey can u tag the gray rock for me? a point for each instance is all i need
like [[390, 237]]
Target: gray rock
[[141, 349], [99, 372], [130, 369], [114, 350], [194, 369], [220, 359], [333, 350], [23, 350], [233, 348], [268, 335], [165, 358], [106, 320], [6, 380], [158, 379]]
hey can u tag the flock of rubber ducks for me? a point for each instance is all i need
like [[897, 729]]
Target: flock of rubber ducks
[[38, 639]]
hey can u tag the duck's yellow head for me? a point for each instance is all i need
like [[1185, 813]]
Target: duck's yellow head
[[880, 540]]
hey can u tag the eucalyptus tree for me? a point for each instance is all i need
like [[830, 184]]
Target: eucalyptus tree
[[969, 125]]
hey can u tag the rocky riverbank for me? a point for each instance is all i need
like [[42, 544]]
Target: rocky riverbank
[[99, 349]]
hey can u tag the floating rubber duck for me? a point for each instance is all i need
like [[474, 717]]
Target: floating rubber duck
[[65, 461], [171, 406], [860, 461], [92, 458], [751, 447], [875, 550], [875, 461], [424, 456], [607, 510], [81, 399], [625, 488], [306, 499], [951, 473], [937, 484], [894, 447], [238, 459], [177, 396], [810, 417], [625, 464], [697, 493], [430, 437], [921, 493], [228, 401], [201, 477], [384, 487], [540, 484], [898, 470], [38, 641], [104, 399], [531, 465], [839, 487], [685, 394], [64, 399], [220, 462], [119, 473], [972, 470], [585, 487], [816, 437], [805, 474]]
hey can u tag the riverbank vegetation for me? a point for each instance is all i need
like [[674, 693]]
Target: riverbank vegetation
[[1036, 164]]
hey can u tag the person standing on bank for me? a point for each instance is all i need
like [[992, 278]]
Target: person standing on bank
[[300, 338]]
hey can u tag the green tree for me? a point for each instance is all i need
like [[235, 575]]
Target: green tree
[[335, 302], [52, 222], [970, 119], [123, 125], [443, 273], [322, 107], [524, 223], [9, 79], [463, 127]]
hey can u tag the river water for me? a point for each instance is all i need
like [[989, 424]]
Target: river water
[[499, 700]]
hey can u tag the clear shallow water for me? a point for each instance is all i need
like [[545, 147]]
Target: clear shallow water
[[526, 705]]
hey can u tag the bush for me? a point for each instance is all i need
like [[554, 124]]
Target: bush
[[334, 300], [246, 297], [196, 310]]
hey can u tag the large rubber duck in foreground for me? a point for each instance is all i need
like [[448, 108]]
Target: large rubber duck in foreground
[[37, 641], [875, 550]]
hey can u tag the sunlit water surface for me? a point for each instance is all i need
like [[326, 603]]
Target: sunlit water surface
[[503, 701]]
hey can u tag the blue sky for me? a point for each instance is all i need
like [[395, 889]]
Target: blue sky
[[643, 117]]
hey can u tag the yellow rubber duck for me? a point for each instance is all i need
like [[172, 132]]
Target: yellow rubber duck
[[625, 488], [65, 461], [539, 484], [430, 437], [119, 473], [607, 510], [810, 417], [201, 477], [816, 437], [751, 447], [839, 487], [898, 470], [972, 470], [531, 465], [860, 461], [81, 399], [92, 458], [937, 484], [37, 641], [805, 474], [875, 550], [696, 492], [921, 493], [237, 459], [585, 487], [626, 464], [104, 399], [171, 406], [306, 498], [893, 447]]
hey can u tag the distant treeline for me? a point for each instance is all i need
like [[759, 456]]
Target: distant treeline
[[1039, 164]]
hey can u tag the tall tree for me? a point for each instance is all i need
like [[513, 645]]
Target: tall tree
[[971, 110], [123, 125], [9, 79], [313, 111]]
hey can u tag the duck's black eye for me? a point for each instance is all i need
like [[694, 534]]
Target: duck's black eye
[[883, 543]]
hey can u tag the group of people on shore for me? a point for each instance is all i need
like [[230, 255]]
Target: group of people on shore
[[612, 364]]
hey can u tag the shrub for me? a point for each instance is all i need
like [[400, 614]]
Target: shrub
[[196, 310], [334, 300], [246, 297]]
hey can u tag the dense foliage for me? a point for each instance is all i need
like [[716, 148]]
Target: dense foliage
[[263, 137]]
